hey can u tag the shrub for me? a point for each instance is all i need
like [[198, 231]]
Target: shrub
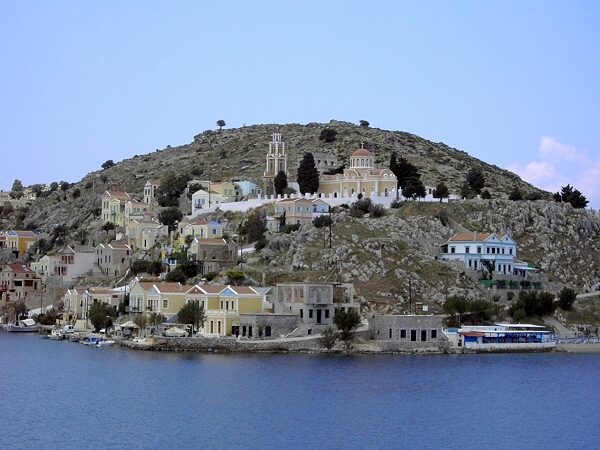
[[108, 226], [64, 186], [443, 217], [322, 221], [260, 244], [566, 298], [176, 275], [89, 184], [107, 164], [76, 193], [328, 135], [287, 229], [377, 211], [396, 204], [328, 337]]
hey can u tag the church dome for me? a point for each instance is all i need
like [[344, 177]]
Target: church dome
[[362, 152]]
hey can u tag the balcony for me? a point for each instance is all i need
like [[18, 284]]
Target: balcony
[[222, 312]]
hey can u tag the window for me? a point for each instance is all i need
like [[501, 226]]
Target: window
[[423, 335], [310, 313], [165, 304], [402, 334], [301, 313], [390, 336], [327, 314], [510, 251], [433, 334], [478, 249], [467, 249], [452, 249], [413, 335]]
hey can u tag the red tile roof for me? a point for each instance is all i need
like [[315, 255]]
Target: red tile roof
[[362, 152]]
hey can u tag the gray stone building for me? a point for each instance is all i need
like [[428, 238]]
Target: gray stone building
[[267, 325], [314, 304], [408, 331]]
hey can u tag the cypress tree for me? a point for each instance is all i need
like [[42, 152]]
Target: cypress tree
[[308, 175]]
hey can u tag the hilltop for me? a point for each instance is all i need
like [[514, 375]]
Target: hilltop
[[240, 153]]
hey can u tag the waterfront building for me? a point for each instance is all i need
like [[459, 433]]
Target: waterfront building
[[361, 177], [17, 282], [314, 304], [506, 336], [408, 331]]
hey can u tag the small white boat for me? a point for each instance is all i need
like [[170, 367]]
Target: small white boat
[[24, 326], [57, 335], [105, 344]]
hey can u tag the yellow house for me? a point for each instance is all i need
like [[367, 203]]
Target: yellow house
[[199, 228], [113, 207], [362, 177], [73, 303], [166, 298], [19, 241], [224, 304]]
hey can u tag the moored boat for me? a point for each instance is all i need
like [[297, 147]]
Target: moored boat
[[25, 325], [107, 343]]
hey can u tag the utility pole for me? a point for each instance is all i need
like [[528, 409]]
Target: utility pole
[[329, 226], [409, 297]]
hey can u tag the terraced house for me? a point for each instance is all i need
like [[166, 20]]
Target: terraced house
[[18, 241], [17, 282]]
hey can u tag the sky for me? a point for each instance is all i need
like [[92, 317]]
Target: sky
[[514, 83]]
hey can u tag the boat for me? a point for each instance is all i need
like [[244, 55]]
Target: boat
[[57, 335], [506, 337], [90, 340], [25, 325], [108, 343]]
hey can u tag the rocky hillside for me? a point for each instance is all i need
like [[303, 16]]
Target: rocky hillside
[[387, 256], [241, 153]]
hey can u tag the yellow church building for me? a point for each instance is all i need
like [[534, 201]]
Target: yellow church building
[[360, 177]]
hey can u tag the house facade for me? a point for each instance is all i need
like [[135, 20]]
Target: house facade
[[204, 199], [66, 266], [150, 191], [490, 252], [408, 331], [212, 254], [18, 241], [144, 235], [113, 259], [113, 207], [300, 210], [17, 282], [247, 188]]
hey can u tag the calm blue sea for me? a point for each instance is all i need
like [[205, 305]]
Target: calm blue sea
[[66, 395]]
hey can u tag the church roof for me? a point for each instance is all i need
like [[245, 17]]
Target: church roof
[[362, 152]]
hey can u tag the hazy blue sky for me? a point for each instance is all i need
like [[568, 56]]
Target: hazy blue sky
[[516, 84]]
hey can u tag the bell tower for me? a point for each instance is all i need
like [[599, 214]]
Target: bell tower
[[276, 162]]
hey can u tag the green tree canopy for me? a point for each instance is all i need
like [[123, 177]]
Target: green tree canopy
[[566, 298], [414, 188], [280, 182], [170, 217], [172, 185], [308, 175], [328, 135], [569, 194], [475, 179], [108, 164], [441, 191], [347, 323], [220, 123], [515, 195], [192, 313], [364, 123], [101, 315]]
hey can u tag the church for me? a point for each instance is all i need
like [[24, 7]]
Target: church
[[360, 177]]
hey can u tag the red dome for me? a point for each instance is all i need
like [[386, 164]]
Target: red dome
[[362, 152]]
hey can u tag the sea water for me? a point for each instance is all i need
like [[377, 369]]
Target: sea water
[[66, 395]]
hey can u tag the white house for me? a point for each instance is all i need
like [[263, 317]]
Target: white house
[[479, 251], [202, 199]]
